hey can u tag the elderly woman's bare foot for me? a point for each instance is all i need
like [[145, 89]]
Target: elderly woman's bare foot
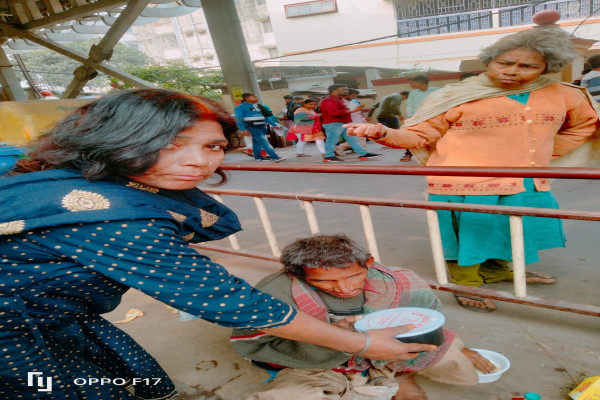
[[408, 388]]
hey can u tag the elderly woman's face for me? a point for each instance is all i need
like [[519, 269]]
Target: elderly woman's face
[[515, 68], [193, 157]]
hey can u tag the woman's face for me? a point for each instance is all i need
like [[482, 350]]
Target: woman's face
[[193, 157], [310, 106], [516, 67]]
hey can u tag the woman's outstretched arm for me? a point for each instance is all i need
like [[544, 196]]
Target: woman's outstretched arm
[[383, 346]]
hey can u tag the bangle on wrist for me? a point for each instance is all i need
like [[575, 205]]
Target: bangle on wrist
[[367, 344]]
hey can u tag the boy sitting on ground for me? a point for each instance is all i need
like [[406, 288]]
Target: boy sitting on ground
[[331, 278]]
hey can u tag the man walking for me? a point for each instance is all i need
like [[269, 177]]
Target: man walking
[[335, 114], [284, 111], [422, 89], [388, 110], [351, 101], [251, 120]]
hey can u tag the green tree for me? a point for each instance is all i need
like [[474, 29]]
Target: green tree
[[178, 76], [52, 70]]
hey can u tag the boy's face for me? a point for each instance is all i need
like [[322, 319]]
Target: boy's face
[[338, 282]]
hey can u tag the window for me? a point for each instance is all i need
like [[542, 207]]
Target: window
[[266, 26], [310, 8], [273, 52], [167, 42], [260, 2]]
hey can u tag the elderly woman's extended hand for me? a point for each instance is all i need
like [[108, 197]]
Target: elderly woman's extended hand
[[366, 130]]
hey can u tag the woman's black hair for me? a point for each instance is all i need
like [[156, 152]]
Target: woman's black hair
[[122, 134]]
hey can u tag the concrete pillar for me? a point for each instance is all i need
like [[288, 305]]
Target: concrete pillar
[[372, 74], [227, 35], [9, 80]]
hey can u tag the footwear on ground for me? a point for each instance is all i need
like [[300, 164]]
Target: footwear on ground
[[366, 156], [332, 159]]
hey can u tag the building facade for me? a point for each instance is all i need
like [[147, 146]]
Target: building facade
[[186, 38], [413, 34]]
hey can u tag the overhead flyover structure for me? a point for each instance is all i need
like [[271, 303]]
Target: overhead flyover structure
[[27, 25]]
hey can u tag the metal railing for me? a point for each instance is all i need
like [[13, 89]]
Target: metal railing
[[515, 219]]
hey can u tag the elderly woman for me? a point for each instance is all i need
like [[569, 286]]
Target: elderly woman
[[106, 202], [510, 116]]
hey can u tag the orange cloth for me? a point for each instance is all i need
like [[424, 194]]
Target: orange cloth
[[501, 132]]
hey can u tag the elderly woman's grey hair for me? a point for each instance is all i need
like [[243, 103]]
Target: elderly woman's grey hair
[[322, 251], [553, 43]]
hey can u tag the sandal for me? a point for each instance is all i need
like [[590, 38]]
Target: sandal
[[303, 155], [406, 158], [535, 278], [489, 307]]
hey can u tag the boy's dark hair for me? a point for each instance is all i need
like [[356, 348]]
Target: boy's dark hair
[[246, 95], [594, 61], [322, 251], [586, 68], [122, 134], [405, 92], [419, 78], [333, 87], [287, 96], [353, 91]]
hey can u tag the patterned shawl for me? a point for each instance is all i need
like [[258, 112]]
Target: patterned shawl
[[57, 197]]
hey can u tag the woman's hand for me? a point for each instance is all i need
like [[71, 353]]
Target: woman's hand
[[366, 130], [479, 361], [385, 346], [348, 322]]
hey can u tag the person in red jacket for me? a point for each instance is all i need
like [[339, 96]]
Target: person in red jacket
[[335, 115]]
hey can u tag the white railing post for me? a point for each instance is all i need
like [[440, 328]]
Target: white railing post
[[518, 254], [232, 238], [311, 216], [365, 214], [435, 237], [264, 218]]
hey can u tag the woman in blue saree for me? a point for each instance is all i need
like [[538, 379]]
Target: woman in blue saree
[[108, 201]]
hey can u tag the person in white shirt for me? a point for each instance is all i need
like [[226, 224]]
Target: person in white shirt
[[351, 102], [422, 89]]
